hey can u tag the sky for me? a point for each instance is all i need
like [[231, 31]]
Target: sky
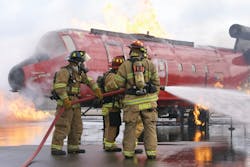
[[205, 22]]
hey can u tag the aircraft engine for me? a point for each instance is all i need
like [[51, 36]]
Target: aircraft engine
[[239, 31], [16, 78]]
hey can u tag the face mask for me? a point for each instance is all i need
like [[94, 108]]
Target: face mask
[[75, 68]]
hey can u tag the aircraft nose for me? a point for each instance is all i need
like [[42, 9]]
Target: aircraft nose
[[16, 78]]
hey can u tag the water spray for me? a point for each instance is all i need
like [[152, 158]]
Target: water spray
[[229, 102]]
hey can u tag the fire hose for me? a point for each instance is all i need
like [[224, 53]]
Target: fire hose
[[31, 158]]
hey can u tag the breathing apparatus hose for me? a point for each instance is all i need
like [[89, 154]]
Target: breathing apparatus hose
[[31, 158]]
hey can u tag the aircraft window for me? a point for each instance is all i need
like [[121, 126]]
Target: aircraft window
[[49, 46], [180, 67], [161, 66], [69, 43], [206, 69], [113, 49], [193, 68]]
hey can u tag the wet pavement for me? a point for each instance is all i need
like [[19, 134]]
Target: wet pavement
[[177, 146]]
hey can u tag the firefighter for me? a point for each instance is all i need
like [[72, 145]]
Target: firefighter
[[139, 77], [66, 89], [111, 110]]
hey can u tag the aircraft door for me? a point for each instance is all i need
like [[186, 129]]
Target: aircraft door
[[113, 49]]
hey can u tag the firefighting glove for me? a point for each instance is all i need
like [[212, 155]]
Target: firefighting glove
[[98, 93], [67, 103]]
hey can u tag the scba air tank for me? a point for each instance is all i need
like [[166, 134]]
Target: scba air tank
[[139, 75]]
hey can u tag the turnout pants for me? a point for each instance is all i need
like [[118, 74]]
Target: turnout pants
[[111, 127], [111, 132], [149, 118], [68, 125]]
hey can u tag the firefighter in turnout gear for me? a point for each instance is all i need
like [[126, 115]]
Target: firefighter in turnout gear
[[111, 110], [66, 88], [139, 77]]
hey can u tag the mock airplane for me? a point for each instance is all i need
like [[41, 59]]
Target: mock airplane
[[177, 62]]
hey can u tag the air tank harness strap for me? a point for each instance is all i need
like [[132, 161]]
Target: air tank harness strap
[[135, 91], [149, 88]]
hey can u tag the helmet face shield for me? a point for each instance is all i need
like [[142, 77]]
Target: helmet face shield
[[86, 57]]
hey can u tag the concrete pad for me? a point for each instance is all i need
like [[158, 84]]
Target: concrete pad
[[172, 154]]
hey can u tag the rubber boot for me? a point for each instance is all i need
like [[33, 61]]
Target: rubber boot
[[128, 157], [57, 152], [80, 151], [151, 157], [138, 151], [113, 149]]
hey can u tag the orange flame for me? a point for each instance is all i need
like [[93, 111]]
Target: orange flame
[[143, 21], [198, 135], [218, 84], [244, 87], [196, 113], [16, 108], [203, 154]]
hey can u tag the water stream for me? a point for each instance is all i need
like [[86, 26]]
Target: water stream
[[229, 102]]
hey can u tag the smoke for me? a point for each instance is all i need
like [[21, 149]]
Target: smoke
[[229, 102]]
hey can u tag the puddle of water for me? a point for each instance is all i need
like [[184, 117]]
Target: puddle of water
[[207, 155], [22, 133]]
